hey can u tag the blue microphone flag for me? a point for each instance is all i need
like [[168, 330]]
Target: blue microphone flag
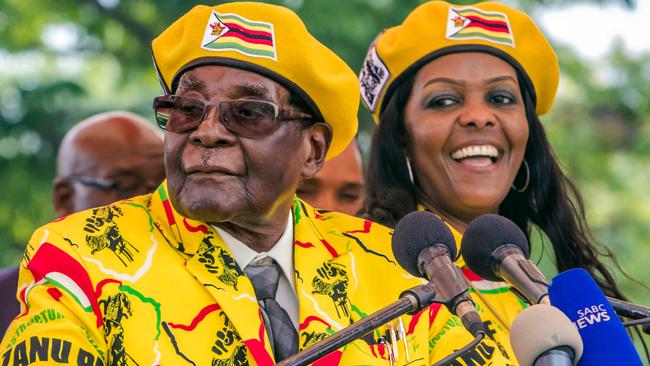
[[606, 342]]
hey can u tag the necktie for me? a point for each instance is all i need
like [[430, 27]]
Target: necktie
[[283, 336]]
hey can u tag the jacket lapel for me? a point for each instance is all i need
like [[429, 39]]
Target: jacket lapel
[[323, 275], [217, 270], [214, 267]]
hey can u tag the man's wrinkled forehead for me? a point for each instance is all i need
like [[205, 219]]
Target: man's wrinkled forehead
[[258, 89]]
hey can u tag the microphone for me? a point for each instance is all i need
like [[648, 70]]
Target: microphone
[[424, 246], [541, 335], [605, 340], [496, 249]]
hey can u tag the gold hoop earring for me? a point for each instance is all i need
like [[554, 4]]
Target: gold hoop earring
[[523, 189]]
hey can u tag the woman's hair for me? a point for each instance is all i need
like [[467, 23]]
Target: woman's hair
[[551, 201]]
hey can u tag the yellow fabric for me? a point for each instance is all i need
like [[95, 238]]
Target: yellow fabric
[[270, 40], [437, 26], [135, 282]]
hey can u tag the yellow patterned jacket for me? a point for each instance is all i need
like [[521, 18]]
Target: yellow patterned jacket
[[135, 283]]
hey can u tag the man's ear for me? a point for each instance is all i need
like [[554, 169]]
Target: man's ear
[[317, 138], [62, 196]]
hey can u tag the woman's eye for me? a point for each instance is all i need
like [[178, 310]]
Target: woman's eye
[[442, 101], [502, 99]]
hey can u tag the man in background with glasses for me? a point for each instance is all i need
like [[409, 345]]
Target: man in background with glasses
[[105, 158], [222, 264]]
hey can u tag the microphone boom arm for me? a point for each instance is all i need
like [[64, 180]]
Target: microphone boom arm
[[628, 309], [411, 301]]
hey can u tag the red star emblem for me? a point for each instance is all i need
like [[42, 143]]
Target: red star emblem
[[459, 21], [216, 28]]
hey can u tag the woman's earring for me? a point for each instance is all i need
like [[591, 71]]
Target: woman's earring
[[408, 167], [522, 189]]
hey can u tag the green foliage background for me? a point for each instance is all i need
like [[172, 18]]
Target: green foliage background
[[63, 61]]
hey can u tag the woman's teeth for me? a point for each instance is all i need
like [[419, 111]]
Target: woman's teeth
[[472, 151]]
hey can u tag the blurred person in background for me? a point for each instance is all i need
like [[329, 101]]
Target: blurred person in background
[[104, 158], [457, 92], [338, 186], [9, 306]]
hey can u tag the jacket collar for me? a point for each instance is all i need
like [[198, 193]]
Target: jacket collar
[[323, 272], [214, 267]]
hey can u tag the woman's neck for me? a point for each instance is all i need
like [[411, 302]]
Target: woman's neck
[[459, 221], [459, 224]]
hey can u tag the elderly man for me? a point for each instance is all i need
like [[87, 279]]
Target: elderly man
[[102, 159], [338, 186], [221, 265]]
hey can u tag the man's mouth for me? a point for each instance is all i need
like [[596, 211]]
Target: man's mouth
[[476, 155], [209, 170]]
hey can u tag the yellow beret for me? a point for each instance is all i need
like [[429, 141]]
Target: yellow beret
[[438, 28], [272, 41]]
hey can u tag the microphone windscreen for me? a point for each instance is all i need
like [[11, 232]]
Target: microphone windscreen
[[604, 338], [415, 232], [485, 234], [540, 328]]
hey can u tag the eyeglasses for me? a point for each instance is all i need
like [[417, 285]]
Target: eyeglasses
[[122, 189], [243, 117]]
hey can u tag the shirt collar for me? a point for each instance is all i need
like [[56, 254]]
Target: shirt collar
[[281, 252]]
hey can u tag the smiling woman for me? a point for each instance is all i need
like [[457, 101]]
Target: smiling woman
[[456, 92], [466, 124]]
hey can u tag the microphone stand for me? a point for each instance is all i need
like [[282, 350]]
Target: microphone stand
[[628, 309], [632, 311], [411, 301]]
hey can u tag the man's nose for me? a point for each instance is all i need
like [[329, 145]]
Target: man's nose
[[212, 131]]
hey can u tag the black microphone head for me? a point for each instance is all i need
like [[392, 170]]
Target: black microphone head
[[415, 232], [484, 235]]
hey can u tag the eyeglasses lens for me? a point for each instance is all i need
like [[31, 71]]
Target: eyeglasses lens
[[247, 118]]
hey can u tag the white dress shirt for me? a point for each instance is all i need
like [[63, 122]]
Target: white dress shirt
[[282, 253]]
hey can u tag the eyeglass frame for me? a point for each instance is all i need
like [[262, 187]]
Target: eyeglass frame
[[278, 115], [104, 184], [101, 183]]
